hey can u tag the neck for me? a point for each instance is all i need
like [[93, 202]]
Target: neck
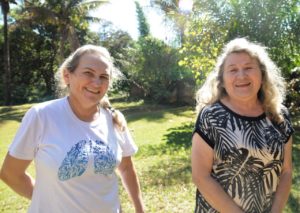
[[246, 108], [84, 113]]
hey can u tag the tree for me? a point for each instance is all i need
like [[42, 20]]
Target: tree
[[203, 42], [173, 13], [274, 24], [159, 71], [143, 25], [5, 10], [34, 61], [68, 16], [122, 48]]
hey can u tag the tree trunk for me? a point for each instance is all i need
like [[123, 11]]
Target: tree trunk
[[7, 78]]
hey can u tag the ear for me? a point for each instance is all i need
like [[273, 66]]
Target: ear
[[66, 76]]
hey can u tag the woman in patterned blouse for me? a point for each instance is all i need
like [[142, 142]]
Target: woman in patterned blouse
[[241, 152]]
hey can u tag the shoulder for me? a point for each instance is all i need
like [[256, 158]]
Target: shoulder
[[106, 113], [49, 105], [285, 115], [286, 124], [211, 110], [47, 108], [284, 111]]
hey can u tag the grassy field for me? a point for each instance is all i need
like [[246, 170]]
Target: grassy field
[[163, 135]]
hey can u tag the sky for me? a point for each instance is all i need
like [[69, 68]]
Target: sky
[[122, 13]]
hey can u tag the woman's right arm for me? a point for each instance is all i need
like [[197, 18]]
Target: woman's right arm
[[13, 173], [202, 161]]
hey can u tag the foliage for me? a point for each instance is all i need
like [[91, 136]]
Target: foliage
[[68, 16], [5, 8], [160, 70], [275, 24], [173, 14], [202, 45], [123, 49], [143, 25], [293, 91], [37, 39], [32, 79], [272, 19], [144, 64]]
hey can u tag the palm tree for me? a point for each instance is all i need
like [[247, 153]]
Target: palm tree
[[68, 16], [173, 12], [7, 91]]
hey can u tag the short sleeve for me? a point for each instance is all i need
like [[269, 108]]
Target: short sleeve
[[127, 144], [203, 127], [26, 139], [286, 126]]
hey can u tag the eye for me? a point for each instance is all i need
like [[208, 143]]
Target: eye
[[88, 73], [104, 77], [233, 70], [248, 68]]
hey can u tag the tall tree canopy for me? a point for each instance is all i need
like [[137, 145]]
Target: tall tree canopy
[[68, 16], [143, 25], [175, 14], [275, 24]]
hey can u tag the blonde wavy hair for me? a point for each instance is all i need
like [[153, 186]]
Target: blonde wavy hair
[[272, 92], [71, 64]]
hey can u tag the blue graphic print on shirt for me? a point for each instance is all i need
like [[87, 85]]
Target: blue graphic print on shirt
[[76, 161]]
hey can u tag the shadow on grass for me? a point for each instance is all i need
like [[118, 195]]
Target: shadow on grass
[[176, 139], [174, 166], [12, 113], [172, 171], [180, 137]]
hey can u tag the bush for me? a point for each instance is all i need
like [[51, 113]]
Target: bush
[[293, 91]]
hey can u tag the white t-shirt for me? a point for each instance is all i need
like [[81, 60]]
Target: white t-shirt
[[75, 160]]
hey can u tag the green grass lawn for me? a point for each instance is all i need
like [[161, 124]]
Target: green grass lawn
[[163, 135]]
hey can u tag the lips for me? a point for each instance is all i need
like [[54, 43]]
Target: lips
[[243, 85], [92, 91]]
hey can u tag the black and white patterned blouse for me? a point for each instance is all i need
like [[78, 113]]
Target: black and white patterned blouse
[[248, 155]]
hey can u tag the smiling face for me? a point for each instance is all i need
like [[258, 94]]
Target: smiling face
[[89, 82], [242, 77]]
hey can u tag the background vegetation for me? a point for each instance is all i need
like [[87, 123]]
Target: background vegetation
[[40, 34]]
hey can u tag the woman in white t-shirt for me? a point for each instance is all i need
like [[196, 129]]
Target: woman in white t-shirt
[[76, 143]]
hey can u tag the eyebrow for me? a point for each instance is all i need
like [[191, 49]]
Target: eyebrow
[[248, 63], [88, 68]]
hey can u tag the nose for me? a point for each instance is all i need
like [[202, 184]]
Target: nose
[[242, 73], [97, 81]]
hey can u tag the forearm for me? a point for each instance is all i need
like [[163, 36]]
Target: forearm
[[22, 184], [216, 196], [282, 192], [13, 173], [132, 186]]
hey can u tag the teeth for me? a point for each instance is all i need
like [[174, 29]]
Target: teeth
[[241, 85], [95, 92]]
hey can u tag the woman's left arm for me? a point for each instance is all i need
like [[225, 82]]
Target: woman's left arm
[[284, 187], [131, 183]]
